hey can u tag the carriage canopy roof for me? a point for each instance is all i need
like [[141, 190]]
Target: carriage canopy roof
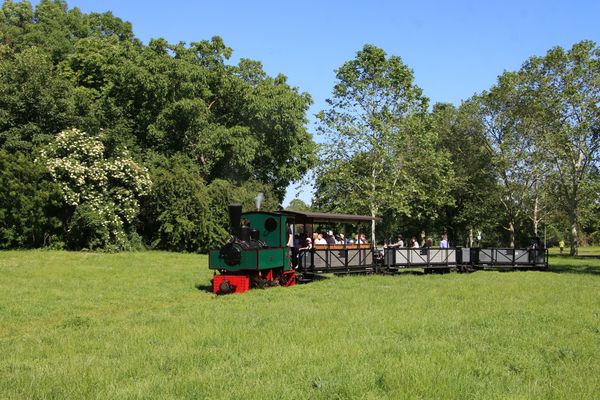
[[309, 217]]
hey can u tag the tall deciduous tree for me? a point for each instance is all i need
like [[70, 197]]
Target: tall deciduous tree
[[564, 90], [510, 143], [298, 205], [380, 150], [461, 133]]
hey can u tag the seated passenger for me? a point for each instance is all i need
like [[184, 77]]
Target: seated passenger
[[363, 238], [307, 245], [330, 239], [397, 244], [413, 242], [444, 242], [343, 239], [320, 239], [428, 242]]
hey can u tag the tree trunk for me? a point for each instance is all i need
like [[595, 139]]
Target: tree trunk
[[511, 230], [373, 207], [574, 238], [574, 222], [373, 227], [536, 212]]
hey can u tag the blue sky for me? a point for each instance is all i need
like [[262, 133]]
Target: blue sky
[[456, 49]]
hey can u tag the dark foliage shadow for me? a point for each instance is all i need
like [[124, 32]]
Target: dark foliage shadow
[[570, 269], [574, 265]]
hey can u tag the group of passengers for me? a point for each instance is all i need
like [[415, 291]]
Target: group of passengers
[[304, 242], [414, 243]]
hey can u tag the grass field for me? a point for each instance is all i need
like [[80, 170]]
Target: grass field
[[144, 325], [582, 250]]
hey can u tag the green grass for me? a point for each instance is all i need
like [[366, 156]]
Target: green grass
[[135, 325]]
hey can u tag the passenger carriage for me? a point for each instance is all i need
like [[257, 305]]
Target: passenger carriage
[[335, 258]]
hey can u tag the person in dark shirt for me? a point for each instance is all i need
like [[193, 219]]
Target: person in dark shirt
[[330, 239]]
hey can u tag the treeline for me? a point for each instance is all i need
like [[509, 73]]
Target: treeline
[[518, 160], [107, 143]]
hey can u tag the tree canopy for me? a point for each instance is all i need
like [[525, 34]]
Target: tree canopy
[[182, 111], [522, 154], [381, 155], [109, 143]]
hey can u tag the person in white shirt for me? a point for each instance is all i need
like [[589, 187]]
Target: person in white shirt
[[413, 242], [444, 242], [320, 239], [399, 242]]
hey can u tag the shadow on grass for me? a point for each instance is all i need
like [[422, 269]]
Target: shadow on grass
[[401, 272], [306, 277], [204, 288], [301, 278], [570, 265]]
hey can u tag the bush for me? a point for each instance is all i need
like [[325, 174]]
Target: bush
[[103, 190], [177, 215], [31, 206]]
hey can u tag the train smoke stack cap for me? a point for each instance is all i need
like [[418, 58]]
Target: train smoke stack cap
[[235, 217]]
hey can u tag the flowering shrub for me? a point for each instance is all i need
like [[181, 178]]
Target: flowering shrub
[[104, 192]]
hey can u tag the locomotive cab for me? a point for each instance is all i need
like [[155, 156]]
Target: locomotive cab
[[257, 242]]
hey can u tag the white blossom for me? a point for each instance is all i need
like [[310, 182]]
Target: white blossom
[[111, 187]]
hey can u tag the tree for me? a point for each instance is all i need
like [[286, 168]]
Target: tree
[[563, 89], [177, 213], [461, 134], [35, 100], [381, 152], [511, 145], [275, 114], [298, 205], [30, 204]]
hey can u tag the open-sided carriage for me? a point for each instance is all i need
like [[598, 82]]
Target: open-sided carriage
[[368, 258], [464, 258], [335, 258]]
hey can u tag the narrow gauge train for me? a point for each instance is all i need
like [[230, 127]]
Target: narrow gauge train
[[256, 254]]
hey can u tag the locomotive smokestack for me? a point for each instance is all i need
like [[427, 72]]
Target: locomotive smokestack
[[235, 218], [259, 200]]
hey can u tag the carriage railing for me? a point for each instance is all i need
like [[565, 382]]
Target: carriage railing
[[499, 257], [447, 257], [419, 258], [338, 258]]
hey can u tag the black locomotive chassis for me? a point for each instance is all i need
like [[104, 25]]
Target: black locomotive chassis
[[389, 260]]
